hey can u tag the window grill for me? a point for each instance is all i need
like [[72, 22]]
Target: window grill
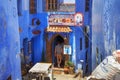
[[51, 5], [33, 6], [87, 4]]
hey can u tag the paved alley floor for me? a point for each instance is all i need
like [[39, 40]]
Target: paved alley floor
[[59, 77], [66, 77]]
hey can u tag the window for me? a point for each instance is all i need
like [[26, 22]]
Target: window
[[86, 41], [80, 43], [33, 6], [86, 37], [51, 5], [87, 4], [19, 7], [60, 5], [86, 59]]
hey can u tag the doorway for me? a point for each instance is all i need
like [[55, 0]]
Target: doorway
[[51, 41], [54, 43]]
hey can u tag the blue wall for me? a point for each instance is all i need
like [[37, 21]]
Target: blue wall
[[40, 6], [105, 26], [9, 41], [28, 25], [24, 26], [105, 34], [85, 53], [38, 41]]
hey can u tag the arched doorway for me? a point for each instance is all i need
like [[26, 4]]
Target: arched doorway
[[50, 45], [60, 39]]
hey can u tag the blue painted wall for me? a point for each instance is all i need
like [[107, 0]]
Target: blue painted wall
[[24, 26], [9, 41], [104, 30], [28, 25], [38, 41], [105, 26], [12, 40], [85, 53], [40, 6]]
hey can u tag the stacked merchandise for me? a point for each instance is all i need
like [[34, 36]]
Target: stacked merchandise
[[108, 68]]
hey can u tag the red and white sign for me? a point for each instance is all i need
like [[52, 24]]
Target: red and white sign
[[78, 18], [66, 19], [61, 19]]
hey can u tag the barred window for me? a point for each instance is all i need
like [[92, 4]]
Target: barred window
[[87, 4], [80, 43], [33, 6], [86, 37], [51, 5]]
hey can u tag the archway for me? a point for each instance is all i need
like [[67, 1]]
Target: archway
[[60, 39], [50, 45]]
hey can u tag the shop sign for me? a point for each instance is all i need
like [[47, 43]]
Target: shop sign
[[66, 19], [67, 49], [61, 19], [78, 19]]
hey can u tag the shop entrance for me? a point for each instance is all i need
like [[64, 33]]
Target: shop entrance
[[54, 43], [50, 47]]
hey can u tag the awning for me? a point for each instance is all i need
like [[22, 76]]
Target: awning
[[64, 29]]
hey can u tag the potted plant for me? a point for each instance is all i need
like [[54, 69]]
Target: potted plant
[[69, 66]]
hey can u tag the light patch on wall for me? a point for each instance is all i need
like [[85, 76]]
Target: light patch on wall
[[26, 4], [69, 1], [20, 29]]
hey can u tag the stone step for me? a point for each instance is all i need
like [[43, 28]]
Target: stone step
[[60, 71]]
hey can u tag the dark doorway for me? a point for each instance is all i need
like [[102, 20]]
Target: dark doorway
[[54, 43]]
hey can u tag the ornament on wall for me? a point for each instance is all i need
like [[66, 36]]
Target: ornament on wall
[[20, 29], [78, 18], [36, 21], [36, 32]]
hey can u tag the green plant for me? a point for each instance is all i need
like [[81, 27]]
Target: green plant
[[69, 64]]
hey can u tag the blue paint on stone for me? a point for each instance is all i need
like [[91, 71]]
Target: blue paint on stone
[[105, 34], [9, 41]]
